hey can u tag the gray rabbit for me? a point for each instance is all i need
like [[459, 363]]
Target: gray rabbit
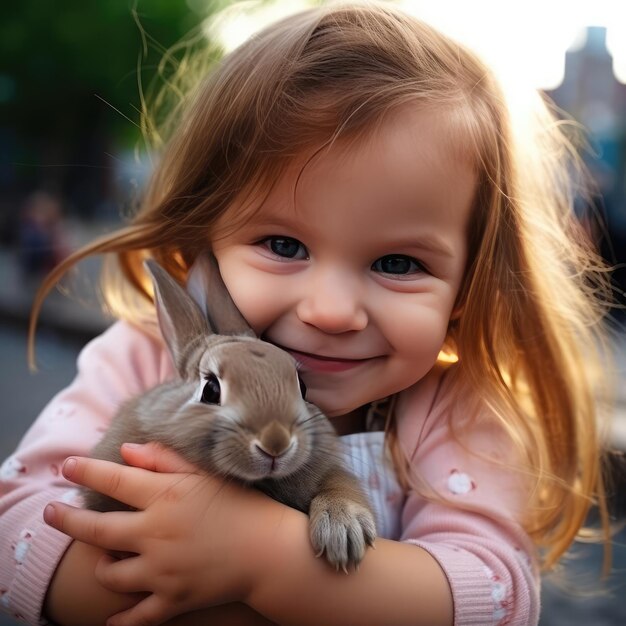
[[238, 410]]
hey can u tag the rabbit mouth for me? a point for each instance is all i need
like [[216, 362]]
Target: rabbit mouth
[[265, 465], [270, 469], [277, 468], [262, 465]]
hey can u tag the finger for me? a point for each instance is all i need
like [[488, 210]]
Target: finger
[[123, 576], [130, 485], [148, 612], [156, 458], [110, 531]]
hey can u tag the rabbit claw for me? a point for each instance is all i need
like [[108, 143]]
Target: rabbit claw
[[342, 530]]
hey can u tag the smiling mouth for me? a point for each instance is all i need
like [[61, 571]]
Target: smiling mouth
[[317, 362]]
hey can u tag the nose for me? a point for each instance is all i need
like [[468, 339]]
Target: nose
[[274, 440], [333, 302]]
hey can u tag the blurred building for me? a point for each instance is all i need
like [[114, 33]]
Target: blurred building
[[592, 95]]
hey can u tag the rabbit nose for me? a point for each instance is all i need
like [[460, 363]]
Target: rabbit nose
[[274, 440]]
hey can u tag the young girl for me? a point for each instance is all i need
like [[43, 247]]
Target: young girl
[[374, 212]]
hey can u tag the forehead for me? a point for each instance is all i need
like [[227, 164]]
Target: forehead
[[416, 133], [413, 167], [412, 153]]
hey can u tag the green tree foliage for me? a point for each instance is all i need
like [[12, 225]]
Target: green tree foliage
[[71, 73]]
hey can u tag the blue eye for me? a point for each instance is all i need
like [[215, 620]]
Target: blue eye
[[398, 264], [286, 247]]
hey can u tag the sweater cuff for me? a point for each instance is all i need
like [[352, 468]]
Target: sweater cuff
[[470, 587], [39, 554]]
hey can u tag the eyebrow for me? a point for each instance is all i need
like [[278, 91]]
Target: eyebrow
[[430, 243]]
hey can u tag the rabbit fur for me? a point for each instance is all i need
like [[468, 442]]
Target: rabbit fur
[[237, 410]]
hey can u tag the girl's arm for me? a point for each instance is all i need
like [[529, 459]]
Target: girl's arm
[[93, 604], [202, 542], [478, 499], [397, 584], [75, 597], [118, 364]]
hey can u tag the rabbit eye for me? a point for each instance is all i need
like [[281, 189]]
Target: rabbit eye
[[302, 387], [211, 390]]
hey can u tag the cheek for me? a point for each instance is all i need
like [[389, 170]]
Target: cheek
[[251, 292], [418, 334]]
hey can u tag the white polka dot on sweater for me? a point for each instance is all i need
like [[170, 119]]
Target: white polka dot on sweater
[[23, 545], [11, 468], [460, 483], [523, 558], [499, 615], [499, 594]]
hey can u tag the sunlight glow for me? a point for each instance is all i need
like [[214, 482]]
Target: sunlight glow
[[447, 357], [531, 37], [528, 44], [240, 20]]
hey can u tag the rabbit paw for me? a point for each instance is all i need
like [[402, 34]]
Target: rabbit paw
[[342, 529]]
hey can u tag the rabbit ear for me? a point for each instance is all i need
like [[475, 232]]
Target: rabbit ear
[[206, 287], [180, 320]]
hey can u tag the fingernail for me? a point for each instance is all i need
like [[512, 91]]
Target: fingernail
[[68, 467], [131, 445], [49, 513]]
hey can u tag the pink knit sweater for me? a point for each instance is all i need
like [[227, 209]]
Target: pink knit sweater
[[489, 561]]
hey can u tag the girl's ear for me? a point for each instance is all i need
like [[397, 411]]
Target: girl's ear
[[180, 320], [206, 287]]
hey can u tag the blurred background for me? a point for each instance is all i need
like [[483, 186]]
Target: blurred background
[[73, 163]]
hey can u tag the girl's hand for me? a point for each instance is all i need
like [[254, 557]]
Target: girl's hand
[[190, 540]]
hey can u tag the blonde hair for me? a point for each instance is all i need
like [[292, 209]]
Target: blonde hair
[[530, 321]]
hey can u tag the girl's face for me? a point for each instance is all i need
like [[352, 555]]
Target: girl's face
[[358, 278]]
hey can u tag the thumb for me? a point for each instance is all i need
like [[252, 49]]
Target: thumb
[[155, 457]]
